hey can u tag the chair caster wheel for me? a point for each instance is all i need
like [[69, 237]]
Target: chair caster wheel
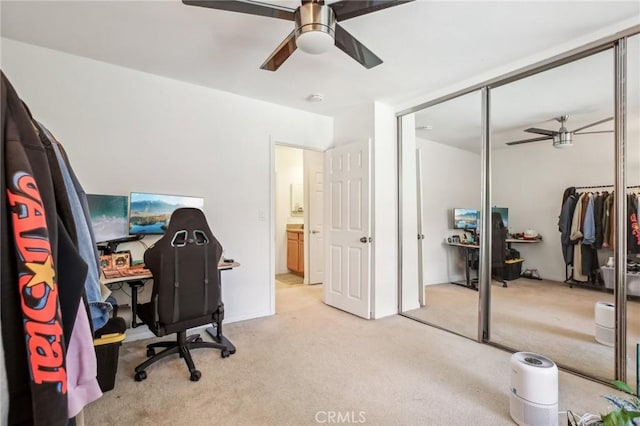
[[150, 352], [225, 353], [140, 376], [198, 339], [195, 375]]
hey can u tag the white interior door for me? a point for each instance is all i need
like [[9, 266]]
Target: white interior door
[[348, 228], [314, 178]]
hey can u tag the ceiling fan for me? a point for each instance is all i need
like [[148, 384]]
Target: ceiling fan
[[562, 137], [316, 25]]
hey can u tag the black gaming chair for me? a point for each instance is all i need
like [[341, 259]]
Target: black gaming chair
[[186, 289], [498, 247]]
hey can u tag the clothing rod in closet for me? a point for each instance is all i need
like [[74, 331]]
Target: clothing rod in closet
[[603, 186]]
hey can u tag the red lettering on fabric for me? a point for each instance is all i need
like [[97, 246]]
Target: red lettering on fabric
[[635, 228], [37, 284]]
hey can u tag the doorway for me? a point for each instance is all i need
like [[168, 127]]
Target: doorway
[[298, 211]]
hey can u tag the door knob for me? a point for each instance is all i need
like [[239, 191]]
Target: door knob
[[315, 232], [366, 239]]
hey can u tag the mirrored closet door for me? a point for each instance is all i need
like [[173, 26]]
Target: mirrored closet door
[[441, 194], [552, 175]]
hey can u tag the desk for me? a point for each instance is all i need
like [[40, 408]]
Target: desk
[[137, 281], [470, 250], [519, 240]]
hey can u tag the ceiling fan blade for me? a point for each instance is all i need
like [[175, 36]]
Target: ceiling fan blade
[[541, 131], [347, 9], [545, 138], [592, 124], [250, 7], [352, 47], [281, 54]]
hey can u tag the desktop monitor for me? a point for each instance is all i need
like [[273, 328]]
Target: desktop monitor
[[149, 214], [108, 214], [465, 218], [504, 214]]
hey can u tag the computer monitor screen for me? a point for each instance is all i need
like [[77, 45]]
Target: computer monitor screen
[[149, 214], [465, 218], [504, 214], [108, 215]]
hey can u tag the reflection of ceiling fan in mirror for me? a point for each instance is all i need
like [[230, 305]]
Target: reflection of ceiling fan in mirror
[[562, 137], [316, 25]]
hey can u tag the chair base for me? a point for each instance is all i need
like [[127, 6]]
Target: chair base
[[182, 347]]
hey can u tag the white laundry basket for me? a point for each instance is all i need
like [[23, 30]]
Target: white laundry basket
[[533, 398], [605, 320]]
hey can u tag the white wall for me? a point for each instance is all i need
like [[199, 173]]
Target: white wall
[[450, 178], [289, 170], [385, 212], [127, 130], [354, 124]]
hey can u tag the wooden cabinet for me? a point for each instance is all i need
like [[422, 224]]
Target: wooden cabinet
[[295, 252]]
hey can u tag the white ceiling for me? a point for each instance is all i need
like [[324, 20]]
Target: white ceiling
[[425, 46]]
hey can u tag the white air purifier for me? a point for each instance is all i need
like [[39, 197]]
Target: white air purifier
[[605, 320], [533, 399]]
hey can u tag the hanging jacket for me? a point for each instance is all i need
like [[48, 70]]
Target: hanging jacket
[[564, 224], [42, 274], [31, 317]]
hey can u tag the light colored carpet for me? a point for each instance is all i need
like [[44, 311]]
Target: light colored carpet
[[546, 317], [309, 359]]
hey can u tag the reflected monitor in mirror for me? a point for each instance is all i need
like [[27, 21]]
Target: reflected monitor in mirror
[[464, 218]]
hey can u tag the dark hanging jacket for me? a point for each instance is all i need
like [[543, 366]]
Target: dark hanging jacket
[[564, 224], [34, 245], [633, 225]]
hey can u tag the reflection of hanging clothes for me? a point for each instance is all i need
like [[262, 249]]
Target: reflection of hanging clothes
[[564, 225], [607, 221], [589, 253], [576, 237], [633, 226], [598, 208]]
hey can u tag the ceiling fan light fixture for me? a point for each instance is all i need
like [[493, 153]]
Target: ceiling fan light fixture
[[314, 42], [315, 28], [563, 140]]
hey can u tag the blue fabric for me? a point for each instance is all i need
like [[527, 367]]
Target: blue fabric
[[99, 310], [589, 225]]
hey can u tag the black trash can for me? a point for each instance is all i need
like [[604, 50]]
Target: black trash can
[[107, 343]]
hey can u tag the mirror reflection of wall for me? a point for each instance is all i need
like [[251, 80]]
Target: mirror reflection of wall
[[297, 199], [530, 171], [443, 167]]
